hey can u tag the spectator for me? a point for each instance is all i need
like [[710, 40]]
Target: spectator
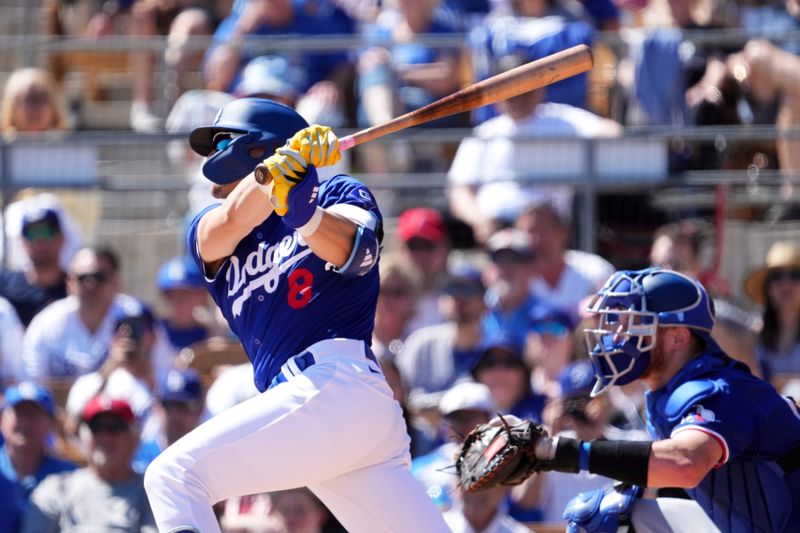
[[17, 212], [509, 278], [483, 511], [396, 307], [126, 373], [72, 336], [233, 386], [398, 73], [549, 348], [107, 494], [32, 103], [435, 357], [180, 21], [492, 177], [179, 410], [776, 286], [461, 408], [564, 277], [329, 74], [188, 316], [677, 246], [27, 422], [10, 344], [502, 368], [532, 30], [298, 510], [425, 246], [43, 281], [9, 507]]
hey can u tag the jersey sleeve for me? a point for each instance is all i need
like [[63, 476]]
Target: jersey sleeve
[[731, 420], [352, 199]]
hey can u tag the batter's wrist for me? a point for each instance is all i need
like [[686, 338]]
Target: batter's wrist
[[310, 227]]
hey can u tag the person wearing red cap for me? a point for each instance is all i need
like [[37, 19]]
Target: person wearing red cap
[[425, 246], [105, 495]]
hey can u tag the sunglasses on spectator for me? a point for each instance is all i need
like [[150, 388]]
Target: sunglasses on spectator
[[115, 426], [791, 274], [511, 257], [499, 362], [224, 138], [36, 98], [556, 329], [420, 245], [38, 232], [98, 277]]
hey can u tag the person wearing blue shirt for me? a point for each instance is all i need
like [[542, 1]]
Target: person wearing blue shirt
[[724, 436], [182, 285], [180, 409], [26, 424], [10, 511]]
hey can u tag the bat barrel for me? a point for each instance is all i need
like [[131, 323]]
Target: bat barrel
[[517, 81]]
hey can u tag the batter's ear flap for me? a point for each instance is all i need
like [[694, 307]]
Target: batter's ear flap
[[379, 232]]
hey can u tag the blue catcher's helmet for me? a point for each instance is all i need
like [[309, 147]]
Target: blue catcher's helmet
[[631, 306], [241, 125]]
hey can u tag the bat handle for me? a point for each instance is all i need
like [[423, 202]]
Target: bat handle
[[347, 142]]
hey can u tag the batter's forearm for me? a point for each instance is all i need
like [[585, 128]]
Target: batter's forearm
[[333, 240], [221, 229]]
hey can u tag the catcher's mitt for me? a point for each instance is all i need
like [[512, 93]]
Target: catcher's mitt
[[498, 453]]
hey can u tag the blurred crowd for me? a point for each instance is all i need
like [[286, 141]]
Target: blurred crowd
[[97, 382]]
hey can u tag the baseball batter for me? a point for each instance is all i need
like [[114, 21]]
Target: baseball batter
[[292, 265]]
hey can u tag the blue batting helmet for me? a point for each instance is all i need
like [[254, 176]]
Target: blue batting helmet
[[631, 306], [240, 126]]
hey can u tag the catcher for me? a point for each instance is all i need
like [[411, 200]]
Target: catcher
[[724, 436]]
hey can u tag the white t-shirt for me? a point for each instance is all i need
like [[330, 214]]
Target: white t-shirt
[[501, 523], [233, 386], [11, 333], [493, 162], [121, 384], [583, 275], [57, 344]]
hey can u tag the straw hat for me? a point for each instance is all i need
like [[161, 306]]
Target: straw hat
[[782, 254]]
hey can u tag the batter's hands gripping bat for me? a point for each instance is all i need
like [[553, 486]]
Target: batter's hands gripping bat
[[517, 81]]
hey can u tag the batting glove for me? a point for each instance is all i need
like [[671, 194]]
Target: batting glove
[[318, 145], [286, 169]]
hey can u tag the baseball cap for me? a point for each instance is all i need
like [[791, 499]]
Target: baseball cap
[[510, 240], [41, 215], [510, 353], [103, 404], [467, 395], [180, 273], [546, 320], [28, 391], [181, 386], [464, 280], [422, 222], [271, 75], [577, 379]]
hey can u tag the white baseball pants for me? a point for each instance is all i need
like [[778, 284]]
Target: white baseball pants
[[334, 427]]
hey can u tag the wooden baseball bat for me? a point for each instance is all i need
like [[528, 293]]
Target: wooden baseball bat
[[519, 80], [514, 82]]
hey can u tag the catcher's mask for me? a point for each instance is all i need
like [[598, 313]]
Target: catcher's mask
[[631, 306], [239, 127]]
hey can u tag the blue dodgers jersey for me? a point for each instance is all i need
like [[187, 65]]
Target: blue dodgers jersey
[[279, 298], [755, 426]]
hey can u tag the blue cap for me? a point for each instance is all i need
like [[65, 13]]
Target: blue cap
[[28, 391], [577, 379], [547, 320], [41, 215], [180, 273], [502, 341], [181, 386], [464, 277]]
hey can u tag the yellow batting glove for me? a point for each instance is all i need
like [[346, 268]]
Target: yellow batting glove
[[287, 168], [318, 145]]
